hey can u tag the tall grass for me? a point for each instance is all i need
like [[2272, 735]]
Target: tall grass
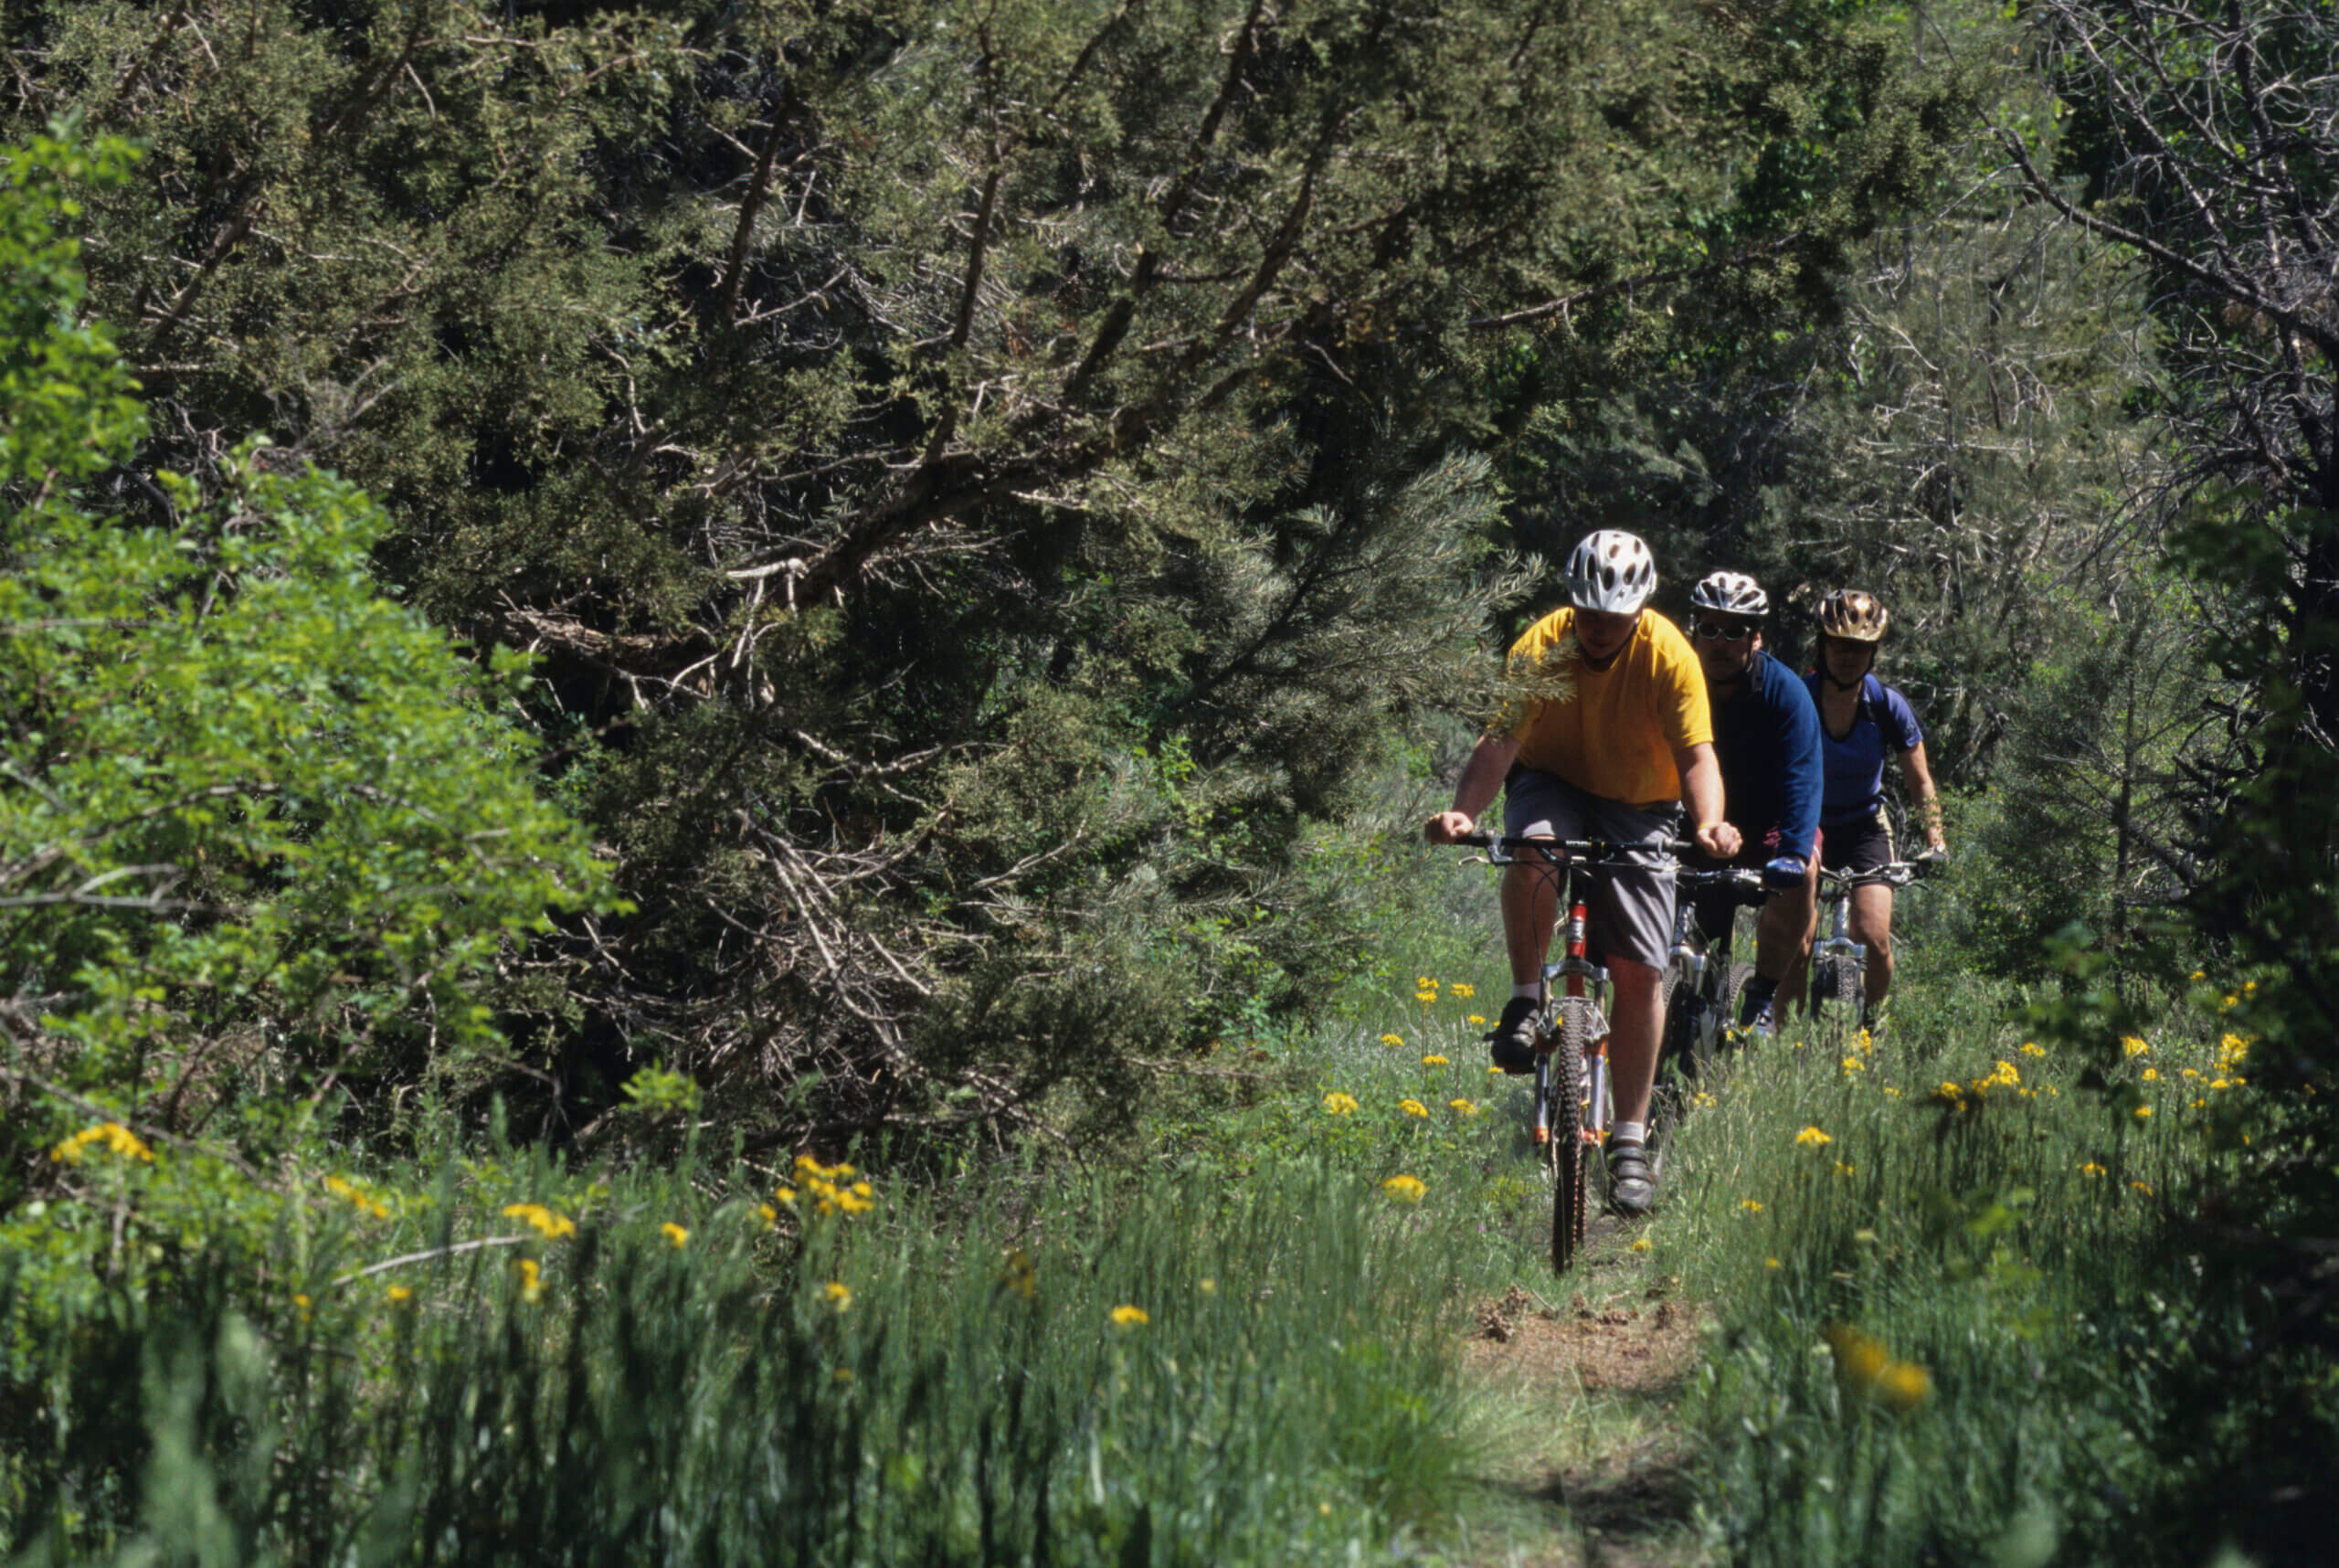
[[1063, 1372], [1944, 1295]]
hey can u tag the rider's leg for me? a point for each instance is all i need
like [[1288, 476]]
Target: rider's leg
[[1636, 1022], [1872, 924], [1794, 978], [1530, 912], [1782, 931]]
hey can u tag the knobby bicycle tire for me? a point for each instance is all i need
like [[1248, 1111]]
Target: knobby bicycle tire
[[1567, 1154], [1678, 1046], [1837, 992]]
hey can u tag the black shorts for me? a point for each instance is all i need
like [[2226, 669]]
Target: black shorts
[[1857, 846]]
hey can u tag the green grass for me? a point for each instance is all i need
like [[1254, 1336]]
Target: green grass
[[1239, 1347], [2003, 1250]]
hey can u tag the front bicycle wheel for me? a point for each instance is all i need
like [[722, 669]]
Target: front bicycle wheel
[[1569, 1160], [1839, 990]]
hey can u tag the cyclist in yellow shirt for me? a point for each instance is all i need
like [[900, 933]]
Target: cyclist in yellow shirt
[[1622, 739]]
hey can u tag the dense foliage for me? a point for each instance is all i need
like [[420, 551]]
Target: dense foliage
[[985, 489], [880, 576]]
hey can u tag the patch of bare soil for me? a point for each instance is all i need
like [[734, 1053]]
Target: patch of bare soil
[[1592, 1364]]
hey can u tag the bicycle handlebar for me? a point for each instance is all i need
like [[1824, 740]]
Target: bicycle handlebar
[[1502, 850], [1896, 874]]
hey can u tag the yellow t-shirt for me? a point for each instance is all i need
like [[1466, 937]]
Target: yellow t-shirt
[[1615, 732]]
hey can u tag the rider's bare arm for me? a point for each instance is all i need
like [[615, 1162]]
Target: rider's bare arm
[[1481, 777], [1921, 785], [1701, 789]]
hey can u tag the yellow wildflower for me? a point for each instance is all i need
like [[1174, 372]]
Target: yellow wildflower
[[2151, 1075], [1412, 1108], [1475, 1020], [398, 1293], [1842, 1169], [2030, 1048], [1404, 1189], [1702, 1099], [1339, 1104], [838, 1294], [2144, 1186], [2089, 1168], [1770, 1263], [1127, 1316], [770, 1215], [532, 1281], [1853, 1064], [1903, 1385], [116, 1138], [1463, 1108], [546, 1224], [1465, 991], [1861, 1358], [784, 1193], [1640, 1243], [1893, 1092], [1811, 1137], [1393, 1041], [2133, 1047], [1435, 1061], [2143, 1111], [1750, 1207], [2199, 974], [1425, 996], [1206, 1285], [358, 1198], [1020, 1274], [675, 1233]]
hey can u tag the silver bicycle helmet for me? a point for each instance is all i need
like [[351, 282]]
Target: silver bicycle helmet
[[1730, 593], [1611, 571]]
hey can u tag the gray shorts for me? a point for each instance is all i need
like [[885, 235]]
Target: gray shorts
[[1631, 909]]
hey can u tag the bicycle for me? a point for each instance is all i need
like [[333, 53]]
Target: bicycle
[[1701, 981], [1573, 1094], [1839, 964]]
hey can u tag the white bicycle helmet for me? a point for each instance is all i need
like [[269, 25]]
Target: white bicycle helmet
[[1730, 593], [1612, 570]]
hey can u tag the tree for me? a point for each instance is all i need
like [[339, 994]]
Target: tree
[[984, 485], [262, 828]]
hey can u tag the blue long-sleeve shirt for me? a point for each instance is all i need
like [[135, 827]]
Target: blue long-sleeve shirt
[[1766, 738]]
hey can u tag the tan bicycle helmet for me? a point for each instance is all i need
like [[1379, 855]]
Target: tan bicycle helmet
[[1853, 616]]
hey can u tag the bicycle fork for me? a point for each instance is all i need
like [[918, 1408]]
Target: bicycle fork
[[1574, 970], [1839, 943]]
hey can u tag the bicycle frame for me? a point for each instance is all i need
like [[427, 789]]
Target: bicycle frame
[[1703, 957], [1836, 897]]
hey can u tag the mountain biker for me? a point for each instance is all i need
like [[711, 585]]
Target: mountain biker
[[1615, 740], [1766, 736], [1861, 720]]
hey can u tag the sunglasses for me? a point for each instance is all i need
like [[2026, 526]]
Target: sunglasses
[[1715, 632]]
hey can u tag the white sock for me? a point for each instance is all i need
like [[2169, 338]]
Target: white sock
[[1531, 990], [1628, 1132]]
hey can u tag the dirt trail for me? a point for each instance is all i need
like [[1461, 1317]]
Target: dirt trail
[[1583, 1376]]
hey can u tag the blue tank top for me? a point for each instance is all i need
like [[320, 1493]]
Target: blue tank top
[[1853, 766]]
